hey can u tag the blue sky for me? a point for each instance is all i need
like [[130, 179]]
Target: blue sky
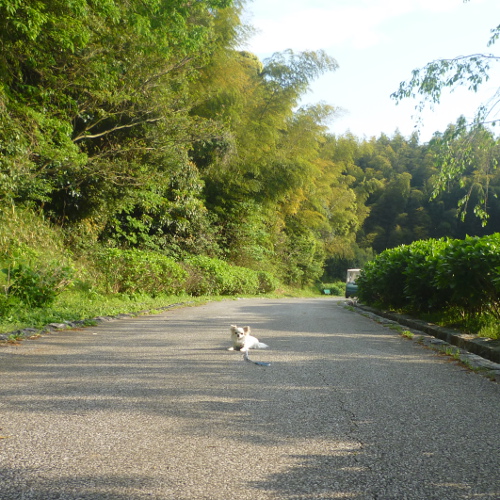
[[377, 44]]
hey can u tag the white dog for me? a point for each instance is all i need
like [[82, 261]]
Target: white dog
[[243, 341]]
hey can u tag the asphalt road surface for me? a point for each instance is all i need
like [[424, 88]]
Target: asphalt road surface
[[156, 407]]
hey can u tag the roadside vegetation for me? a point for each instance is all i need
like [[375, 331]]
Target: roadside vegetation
[[146, 156], [43, 282], [446, 281]]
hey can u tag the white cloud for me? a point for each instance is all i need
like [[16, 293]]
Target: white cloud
[[377, 43], [318, 24], [316, 28], [437, 5]]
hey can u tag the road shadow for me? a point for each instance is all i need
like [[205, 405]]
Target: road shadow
[[314, 398]]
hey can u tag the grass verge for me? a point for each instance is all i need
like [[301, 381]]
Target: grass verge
[[79, 305]]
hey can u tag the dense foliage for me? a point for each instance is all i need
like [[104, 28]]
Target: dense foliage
[[398, 178], [140, 125], [459, 277], [167, 158]]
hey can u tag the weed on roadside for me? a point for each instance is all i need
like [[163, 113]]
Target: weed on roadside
[[407, 334], [453, 352], [491, 331]]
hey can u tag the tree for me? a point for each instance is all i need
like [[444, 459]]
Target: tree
[[84, 78], [468, 159], [429, 83], [469, 71], [261, 169], [96, 104]]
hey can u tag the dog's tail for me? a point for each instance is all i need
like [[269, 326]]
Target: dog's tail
[[261, 345]]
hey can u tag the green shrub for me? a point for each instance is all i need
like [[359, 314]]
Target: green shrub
[[267, 282], [206, 275], [382, 280], [39, 287], [241, 280], [36, 267], [461, 277], [468, 273], [420, 287], [209, 276], [8, 303], [136, 271]]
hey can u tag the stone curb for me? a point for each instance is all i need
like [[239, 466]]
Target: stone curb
[[486, 348]]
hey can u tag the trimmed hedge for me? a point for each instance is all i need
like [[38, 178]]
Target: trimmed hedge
[[468, 273], [436, 275], [208, 276]]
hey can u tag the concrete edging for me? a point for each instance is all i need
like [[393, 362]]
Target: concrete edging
[[486, 348]]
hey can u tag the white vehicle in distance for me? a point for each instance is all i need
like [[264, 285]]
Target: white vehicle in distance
[[351, 289]]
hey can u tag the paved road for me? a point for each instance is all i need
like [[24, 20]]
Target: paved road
[[157, 408]]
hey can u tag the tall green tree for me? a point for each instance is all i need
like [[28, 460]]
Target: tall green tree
[[260, 171], [96, 103], [84, 79]]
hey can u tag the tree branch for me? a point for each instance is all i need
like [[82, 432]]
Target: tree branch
[[114, 129]]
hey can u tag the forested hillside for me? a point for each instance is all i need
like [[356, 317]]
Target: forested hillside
[[146, 125]]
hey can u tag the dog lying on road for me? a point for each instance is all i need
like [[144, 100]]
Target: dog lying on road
[[243, 341]]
